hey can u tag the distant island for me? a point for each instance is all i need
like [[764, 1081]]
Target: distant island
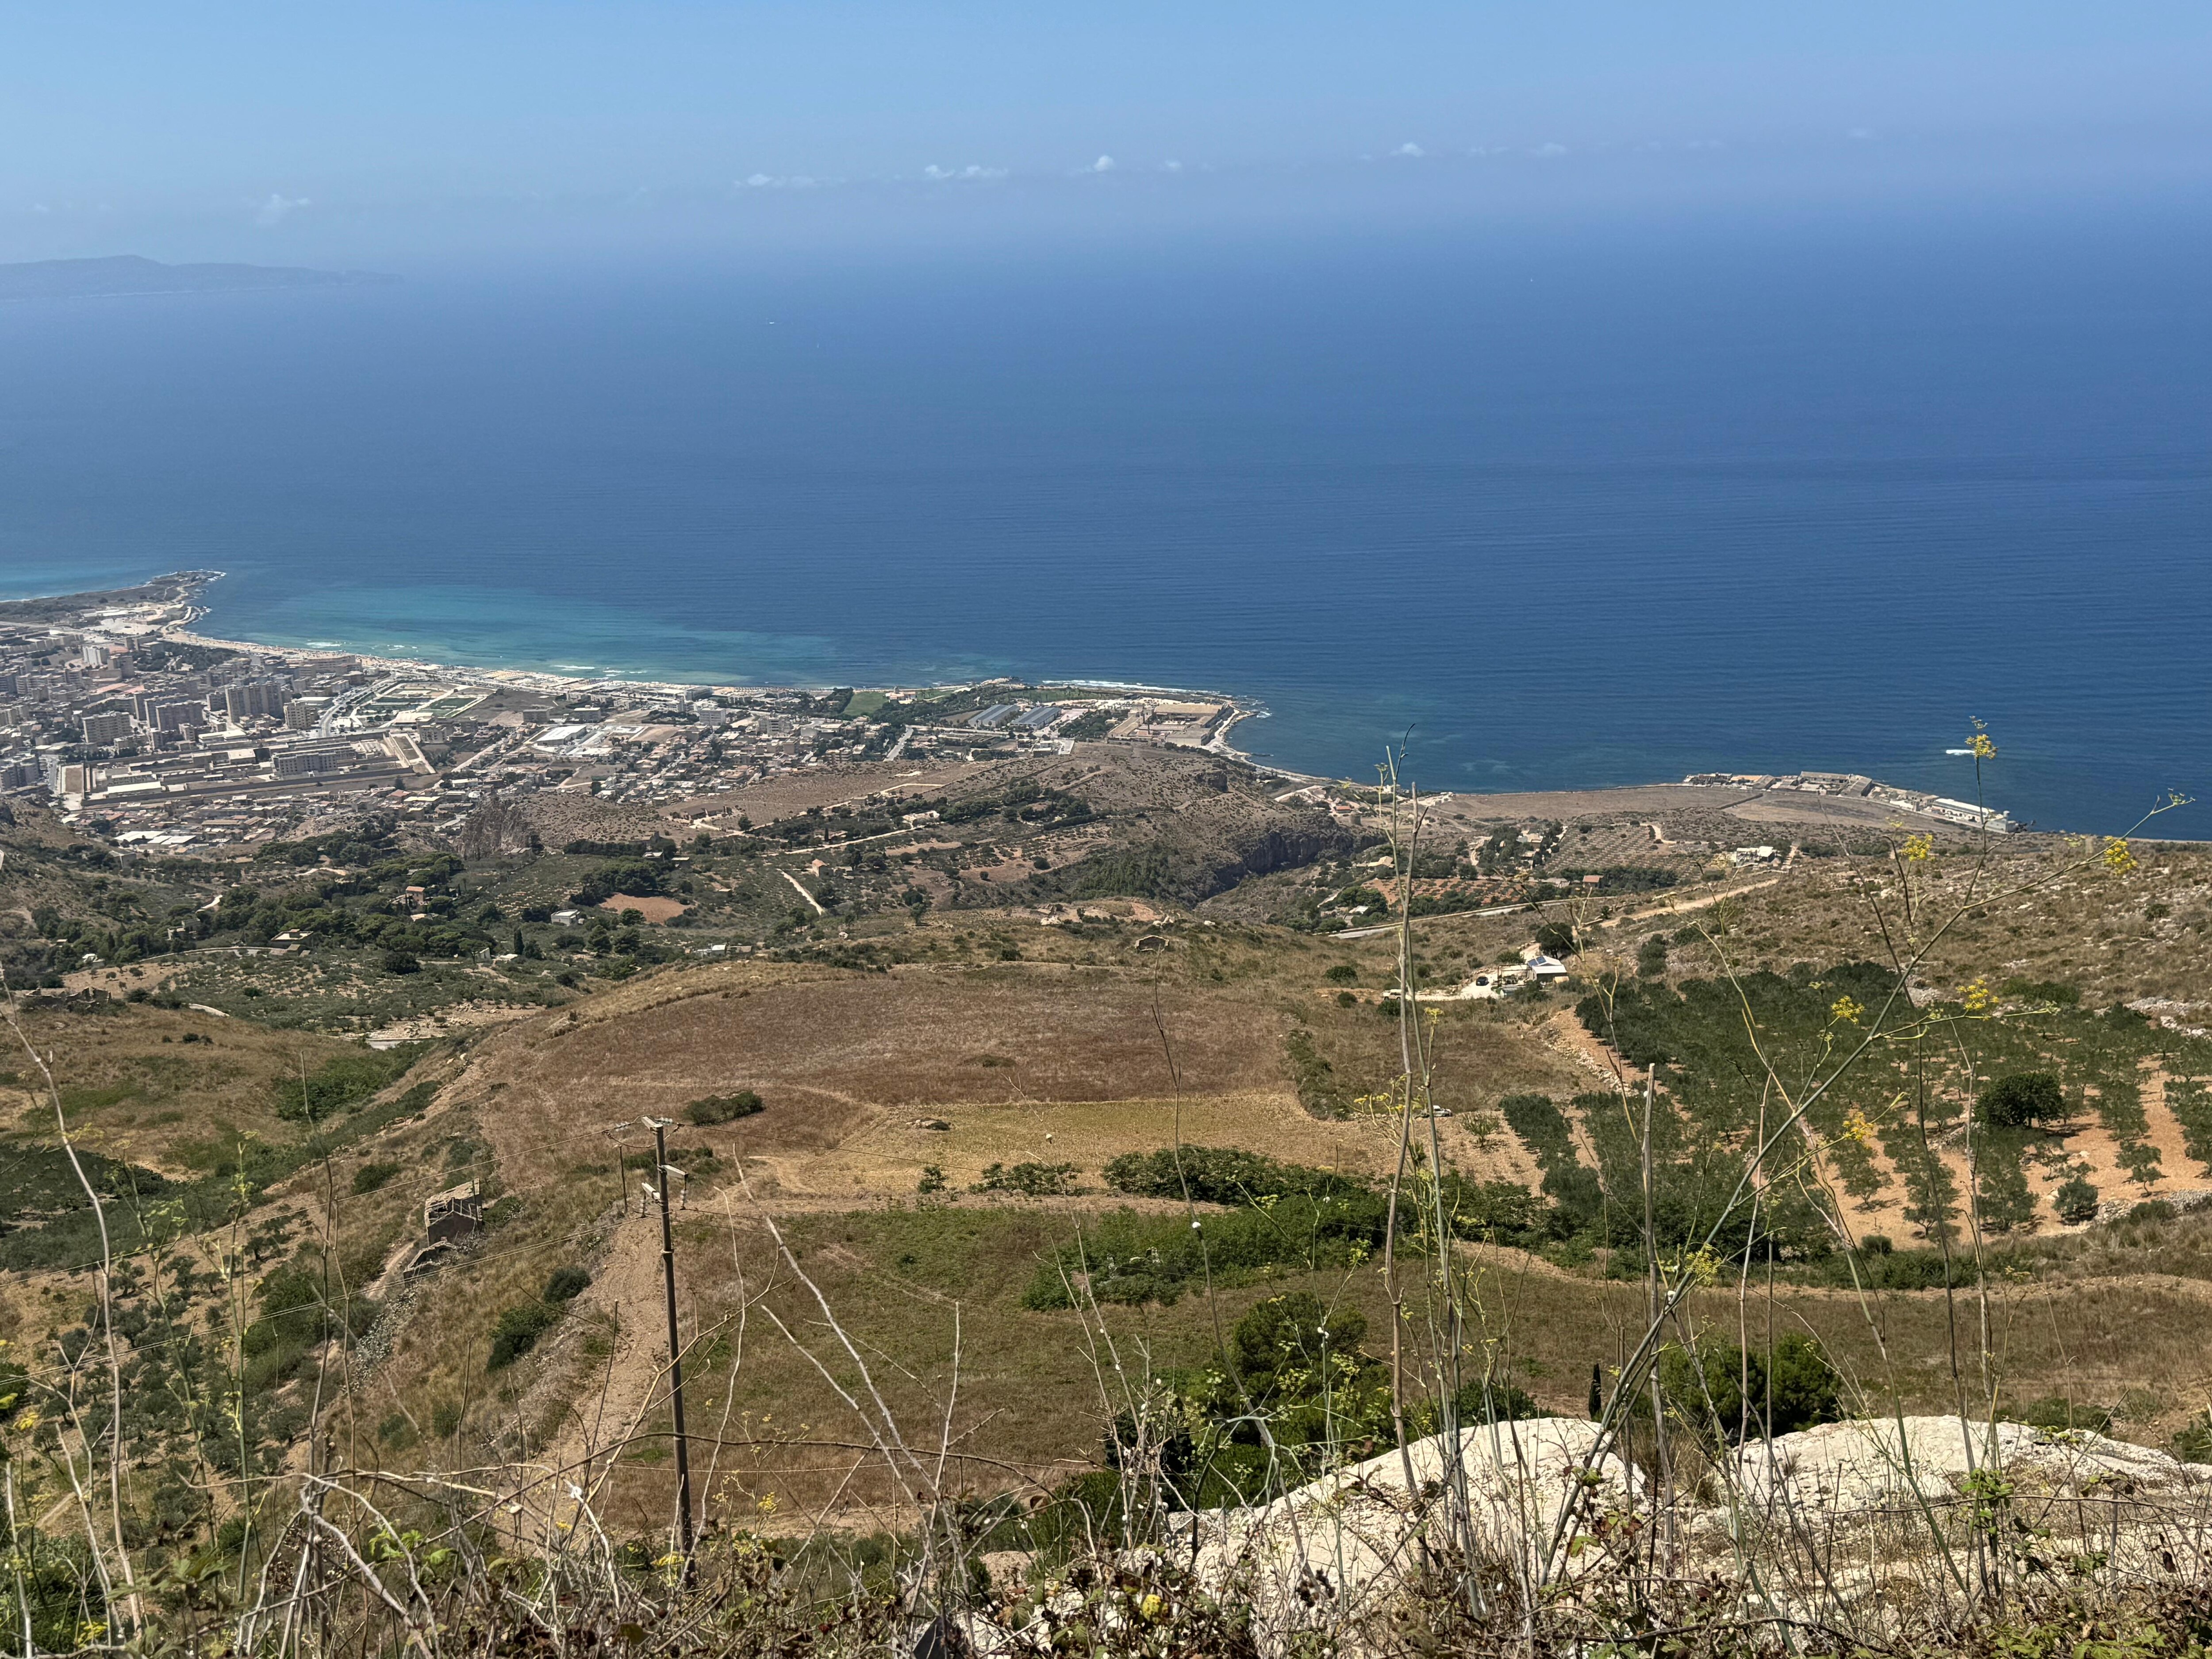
[[125, 274]]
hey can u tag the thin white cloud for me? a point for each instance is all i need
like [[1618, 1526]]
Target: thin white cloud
[[1549, 151], [1860, 133], [943, 175], [774, 181], [277, 209], [1411, 149], [1103, 164], [1170, 167]]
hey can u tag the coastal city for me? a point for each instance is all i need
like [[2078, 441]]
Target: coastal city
[[150, 734], [141, 731]]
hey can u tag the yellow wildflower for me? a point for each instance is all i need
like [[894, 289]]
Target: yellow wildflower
[[766, 1505], [1151, 1606], [28, 1421], [1848, 1012], [2118, 858], [1919, 849], [1978, 996], [1858, 1126]]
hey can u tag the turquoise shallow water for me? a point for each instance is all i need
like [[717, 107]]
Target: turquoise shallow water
[[1553, 510]]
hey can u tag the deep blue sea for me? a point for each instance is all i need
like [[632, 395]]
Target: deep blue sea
[[1549, 507]]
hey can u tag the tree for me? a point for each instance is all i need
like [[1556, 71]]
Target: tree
[[2021, 1099], [1557, 938], [2075, 1200], [1721, 1389], [1290, 1334]]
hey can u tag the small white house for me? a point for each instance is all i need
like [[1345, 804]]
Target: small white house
[[1542, 968]]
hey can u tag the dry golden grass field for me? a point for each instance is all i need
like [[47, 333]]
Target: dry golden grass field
[[1078, 1048]]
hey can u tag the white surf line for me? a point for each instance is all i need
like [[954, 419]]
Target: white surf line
[[803, 894]]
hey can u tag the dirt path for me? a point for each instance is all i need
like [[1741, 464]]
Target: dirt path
[[614, 1394], [1698, 903]]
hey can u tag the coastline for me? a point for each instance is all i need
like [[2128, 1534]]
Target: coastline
[[183, 631], [171, 606]]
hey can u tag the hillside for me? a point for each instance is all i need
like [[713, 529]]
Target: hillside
[[931, 1080]]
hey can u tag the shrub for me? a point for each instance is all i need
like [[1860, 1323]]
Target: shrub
[[1311, 1073], [399, 961], [2075, 1201], [370, 1177], [1557, 938], [2021, 1099], [2042, 990], [2193, 1443], [1136, 1259], [2056, 1410], [341, 1082], [1291, 1331], [724, 1109], [1705, 1387], [1216, 1175], [1504, 1402], [1030, 1180], [932, 1179], [1343, 974], [566, 1285], [516, 1333]]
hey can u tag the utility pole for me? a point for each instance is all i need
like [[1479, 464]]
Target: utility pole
[[675, 1347]]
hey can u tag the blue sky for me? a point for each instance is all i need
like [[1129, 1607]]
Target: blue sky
[[408, 130]]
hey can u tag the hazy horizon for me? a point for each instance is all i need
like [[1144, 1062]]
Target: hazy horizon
[[484, 137]]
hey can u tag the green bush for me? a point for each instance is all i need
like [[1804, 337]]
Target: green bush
[[2056, 1410], [371, 1176], [1215, 1175], [2020, 1100], [1498, 1401], [1706, 1387], [1133, 1258], [724, 1109], [516, 1333], [2075, 1201], [2193, 1443], [566, 1285], [1343, 974], [1030, 1180], [1557, 938], [1312, 1075], [342, 1083]]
